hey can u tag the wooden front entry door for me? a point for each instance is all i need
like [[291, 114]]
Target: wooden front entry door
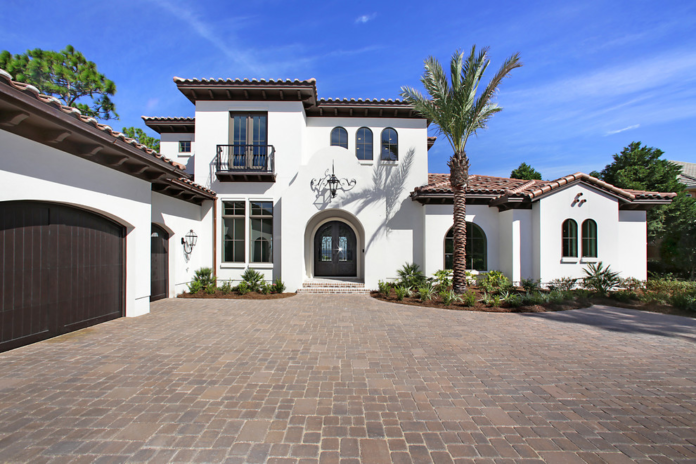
[[335, 252], [62, 269], [159, 268]]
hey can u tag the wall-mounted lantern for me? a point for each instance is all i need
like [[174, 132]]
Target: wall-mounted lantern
[[189, 241], [332, 182]]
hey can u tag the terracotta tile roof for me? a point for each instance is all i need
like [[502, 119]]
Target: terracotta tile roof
[[246, 82], [366, 101], [195, 186], [503, 186], [52, 101], [166, 119]]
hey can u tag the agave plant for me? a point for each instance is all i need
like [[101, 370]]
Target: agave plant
[[600, 279]]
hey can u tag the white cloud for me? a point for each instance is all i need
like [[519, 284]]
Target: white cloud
[[635, 126], [365, 18]]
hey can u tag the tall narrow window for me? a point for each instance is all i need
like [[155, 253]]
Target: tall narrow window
[[233, 216], [261, 232], [363, 144], [390, 145], [248, 141], [589, 239], [339, 137], [476, 248], [570, 239], [184, 146]]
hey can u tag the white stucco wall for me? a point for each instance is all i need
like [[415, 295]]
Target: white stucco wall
[[32, 171], [169, 147], [621, 251], [439, 219], [178, 218]]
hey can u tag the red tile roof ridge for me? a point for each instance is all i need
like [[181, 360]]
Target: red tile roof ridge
[[395, 101], [53, 101], [167, 118], [228, 80]]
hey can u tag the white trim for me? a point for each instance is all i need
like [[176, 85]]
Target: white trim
[[567, 260], [589, 260]]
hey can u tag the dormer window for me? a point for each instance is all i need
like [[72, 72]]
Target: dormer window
[[390, 145], [363, 144], [184, 146], [339, 137]]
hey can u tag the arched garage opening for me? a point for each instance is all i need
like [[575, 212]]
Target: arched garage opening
[[63, 269]]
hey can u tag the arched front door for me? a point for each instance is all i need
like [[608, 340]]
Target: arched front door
[[159, 268], [335, 251]]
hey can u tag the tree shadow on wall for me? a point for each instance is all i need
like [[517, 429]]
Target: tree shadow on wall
[[388, 181]]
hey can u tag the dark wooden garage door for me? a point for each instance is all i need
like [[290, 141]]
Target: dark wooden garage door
[[61, 269]]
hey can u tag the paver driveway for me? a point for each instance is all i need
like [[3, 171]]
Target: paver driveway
[[348, 378]]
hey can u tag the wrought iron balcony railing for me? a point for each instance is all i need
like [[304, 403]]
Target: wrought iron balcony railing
[[245, 163]]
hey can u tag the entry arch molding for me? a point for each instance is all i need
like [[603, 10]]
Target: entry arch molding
[[330, 215]]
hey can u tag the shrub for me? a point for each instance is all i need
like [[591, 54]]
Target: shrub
[[581, 293], [533, 298], [426, 292], [555, 296], [243, 288], [253, 279], [624, 296], [265, 288], [683, 300], [654, 298], [469, 298], [411, 276], [487, 299], [443, 279], [205, 277], [494, 282], [631, 284], [449, 297], [279, 286], [564, 284], [599, 279], [210, 289], [402, 292], [515, 301], [225, 288], [531, 285], [384, 288], [195, 287]]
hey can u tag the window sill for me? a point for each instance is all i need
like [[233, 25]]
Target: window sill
[[589, 260], [260, 265], [389, 162], [366, 162], [187, 154], [569, 260], [233, 265]]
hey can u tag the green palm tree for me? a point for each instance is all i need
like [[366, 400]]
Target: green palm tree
[[458, 110]]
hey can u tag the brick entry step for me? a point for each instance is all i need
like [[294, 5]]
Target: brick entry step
[[334, 286]]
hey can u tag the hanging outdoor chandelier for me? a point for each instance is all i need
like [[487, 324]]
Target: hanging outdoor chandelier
[[332, 182]]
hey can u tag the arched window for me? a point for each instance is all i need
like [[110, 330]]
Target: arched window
[[589, 239], [476, 248], [390, 145], [570, 239], [339, 137], [363, 144]]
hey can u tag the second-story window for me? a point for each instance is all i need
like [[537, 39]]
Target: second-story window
[[390, 145], [339, 137], [248, 141], [363, 144], [184, 146], [261, 246]]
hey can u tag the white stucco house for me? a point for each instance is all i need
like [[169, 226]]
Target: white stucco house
[[270, 177]]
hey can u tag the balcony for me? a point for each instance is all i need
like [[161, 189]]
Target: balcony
[[245, 163]]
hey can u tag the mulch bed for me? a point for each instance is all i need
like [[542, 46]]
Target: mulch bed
[[652, 308], [504, 308], [236, 296]]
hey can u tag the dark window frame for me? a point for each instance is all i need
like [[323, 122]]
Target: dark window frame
[[364, 144], [569, 236], [234, 242], [262, 217], [590, 241], [181, 145], [389, 146], [345, 132], [472, 229]]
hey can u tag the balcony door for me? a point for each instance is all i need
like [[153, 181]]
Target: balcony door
[[249, 140]]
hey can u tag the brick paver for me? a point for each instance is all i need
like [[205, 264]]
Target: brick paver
[[345, 379]]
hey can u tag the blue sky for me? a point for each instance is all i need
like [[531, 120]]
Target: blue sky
[[597, 74]]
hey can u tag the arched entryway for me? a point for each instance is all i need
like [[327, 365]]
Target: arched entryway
[[335, 250], [347, 258], [159, 267]]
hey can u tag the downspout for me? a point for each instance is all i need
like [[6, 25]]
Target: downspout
[[215, 238]]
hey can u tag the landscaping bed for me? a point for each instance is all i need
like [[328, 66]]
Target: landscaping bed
[[252, 287], [236, 296]]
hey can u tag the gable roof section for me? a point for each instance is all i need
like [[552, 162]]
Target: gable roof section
[[293, 90], [506, 193], [26, 112], [688, 174], [170, 125]]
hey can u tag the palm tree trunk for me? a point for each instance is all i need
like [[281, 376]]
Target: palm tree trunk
[[459, 178]]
